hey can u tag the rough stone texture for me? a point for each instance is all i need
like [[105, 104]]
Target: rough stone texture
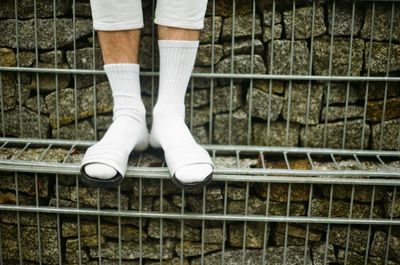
[[380, 244], [206, 34], [25, 9], [339, 113], [214, 235], [243, 26], [204, 54], [283, 57], [85, 241], [74, 256], [375, 109], [390, 139], [84, 131], [361, 193], [343, 19], [200, 134], [226, 98], [242, 65], [30, 126], [244, 47], [357, 259], [392, 210], [358, 238], [338, 93], [191, 249], [52, 57], [238, 128], [84, 59], [27, 59], [299, 103], [375, 90], [145, 57], [261, 106], [171, 230], [318, 251], [31, 103], [82, 8], [49, 82], [267, 17], [201, 82], [379, 57], [128, 233], [382, 21], [200, 97], [303, 22], [273, 137], [254, 234], [340, 56], [279, 192], [29, 219], [230, 161], [224, 8], [174, 261], [26, 184], [70, 229], [298, 231], [7, 57], [66, 104], [45, 36], [268, 30], [198, 116], [334, 135]]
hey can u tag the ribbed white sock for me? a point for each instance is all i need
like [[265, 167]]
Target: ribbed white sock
[[187, 160], [128, 129]]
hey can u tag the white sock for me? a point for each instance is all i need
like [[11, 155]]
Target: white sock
[[128, 129], [187, 160]]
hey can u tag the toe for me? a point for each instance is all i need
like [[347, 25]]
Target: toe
[[193, 173], [100, 171]]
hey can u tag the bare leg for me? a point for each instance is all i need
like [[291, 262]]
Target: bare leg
[[169, 33]]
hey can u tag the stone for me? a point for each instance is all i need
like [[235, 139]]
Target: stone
[[334, 135], [7, 57], [242, 65], [211, 206], [147, 203], [52, 57], [351, 257], [214, 235], [76, 257], [27, 59], [131, 250], [298, 232], [224, 8], [236, 194], [200, 134], [279, 192], [376, 90], [173, 261], [382, 22], [204, 54], [29, 219], [88, 196], [283, 57], [361, 193], [84, 59], [10, 95], [87, 229], [387, 109], [340, 56], [277, 87], [236, 133], [379, 57], [269, 32], [206, 34], [337, 93], [303, 22], [267, 17], [32, 126], [320, 208], [82, 8], [45, 36], [224, 162], [244, 47], [302, 110], [128, 233], [146, 58], [66, 103], [84, 131], [272, 136], [390, 138], [197, 98], [344, 25], [380, 244], [334, 113], [357, 239], [26, 10], [191, 249], [227, 98], [318, 251], [255, 232], [85, 241], [264, 105], [392, 209], [197, 116], [48, 82], [201, 82], [242, 28], [26, 184], [102, 121], [32, 104]]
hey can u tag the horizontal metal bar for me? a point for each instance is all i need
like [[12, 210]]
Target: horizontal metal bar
[[199, 216], [216, 75]]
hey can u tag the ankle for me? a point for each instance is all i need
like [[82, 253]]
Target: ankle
[[163, 110]]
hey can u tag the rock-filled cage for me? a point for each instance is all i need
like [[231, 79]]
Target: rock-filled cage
[[298, 103]]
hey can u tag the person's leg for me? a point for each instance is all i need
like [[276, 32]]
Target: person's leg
[[179, 24], [105, 163]]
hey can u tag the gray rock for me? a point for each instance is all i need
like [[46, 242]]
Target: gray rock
[[72, 244], [200, 134], [303, 21], [173, 261], [300, 57], [340, 56], [204, 54], [172, 230], [66, 103], [200, 97], [50, 82], [202, 82], [375, 90], [243, 26], [299, 105], [197, 116], [318, 251], [216, 205], [26, 183], [227, 98], [380, 244], [84, 59], [334, 113], [10, 95], [103, 121], [255, 232], [378, 110], [146, 58], [45, 36], [225, 162], [244, 47], [29, 219], [75, 257], [242, 65], [392, 209], [338, 93], [264, 106], [32, 126], [83, 131], [357, 239], [351, 257], [131, 250], [379, 59], [269, 32], [390, 139], [7, 57], [52, 57], [382, 22], [82, 8], [191, 249], [70, 229], [25, 9], [224, 8], [334, 135], [361, 193], [206, 34], [214, 235], [343, 19], [128, 233], [267, 17], [279, 191], [26, 59], [238, 129], [236, 194], [276, 134]]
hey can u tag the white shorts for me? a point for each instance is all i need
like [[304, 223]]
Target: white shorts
[[127, 14]]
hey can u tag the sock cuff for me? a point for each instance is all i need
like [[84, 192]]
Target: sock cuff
[[122, 68], [178, 43]]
